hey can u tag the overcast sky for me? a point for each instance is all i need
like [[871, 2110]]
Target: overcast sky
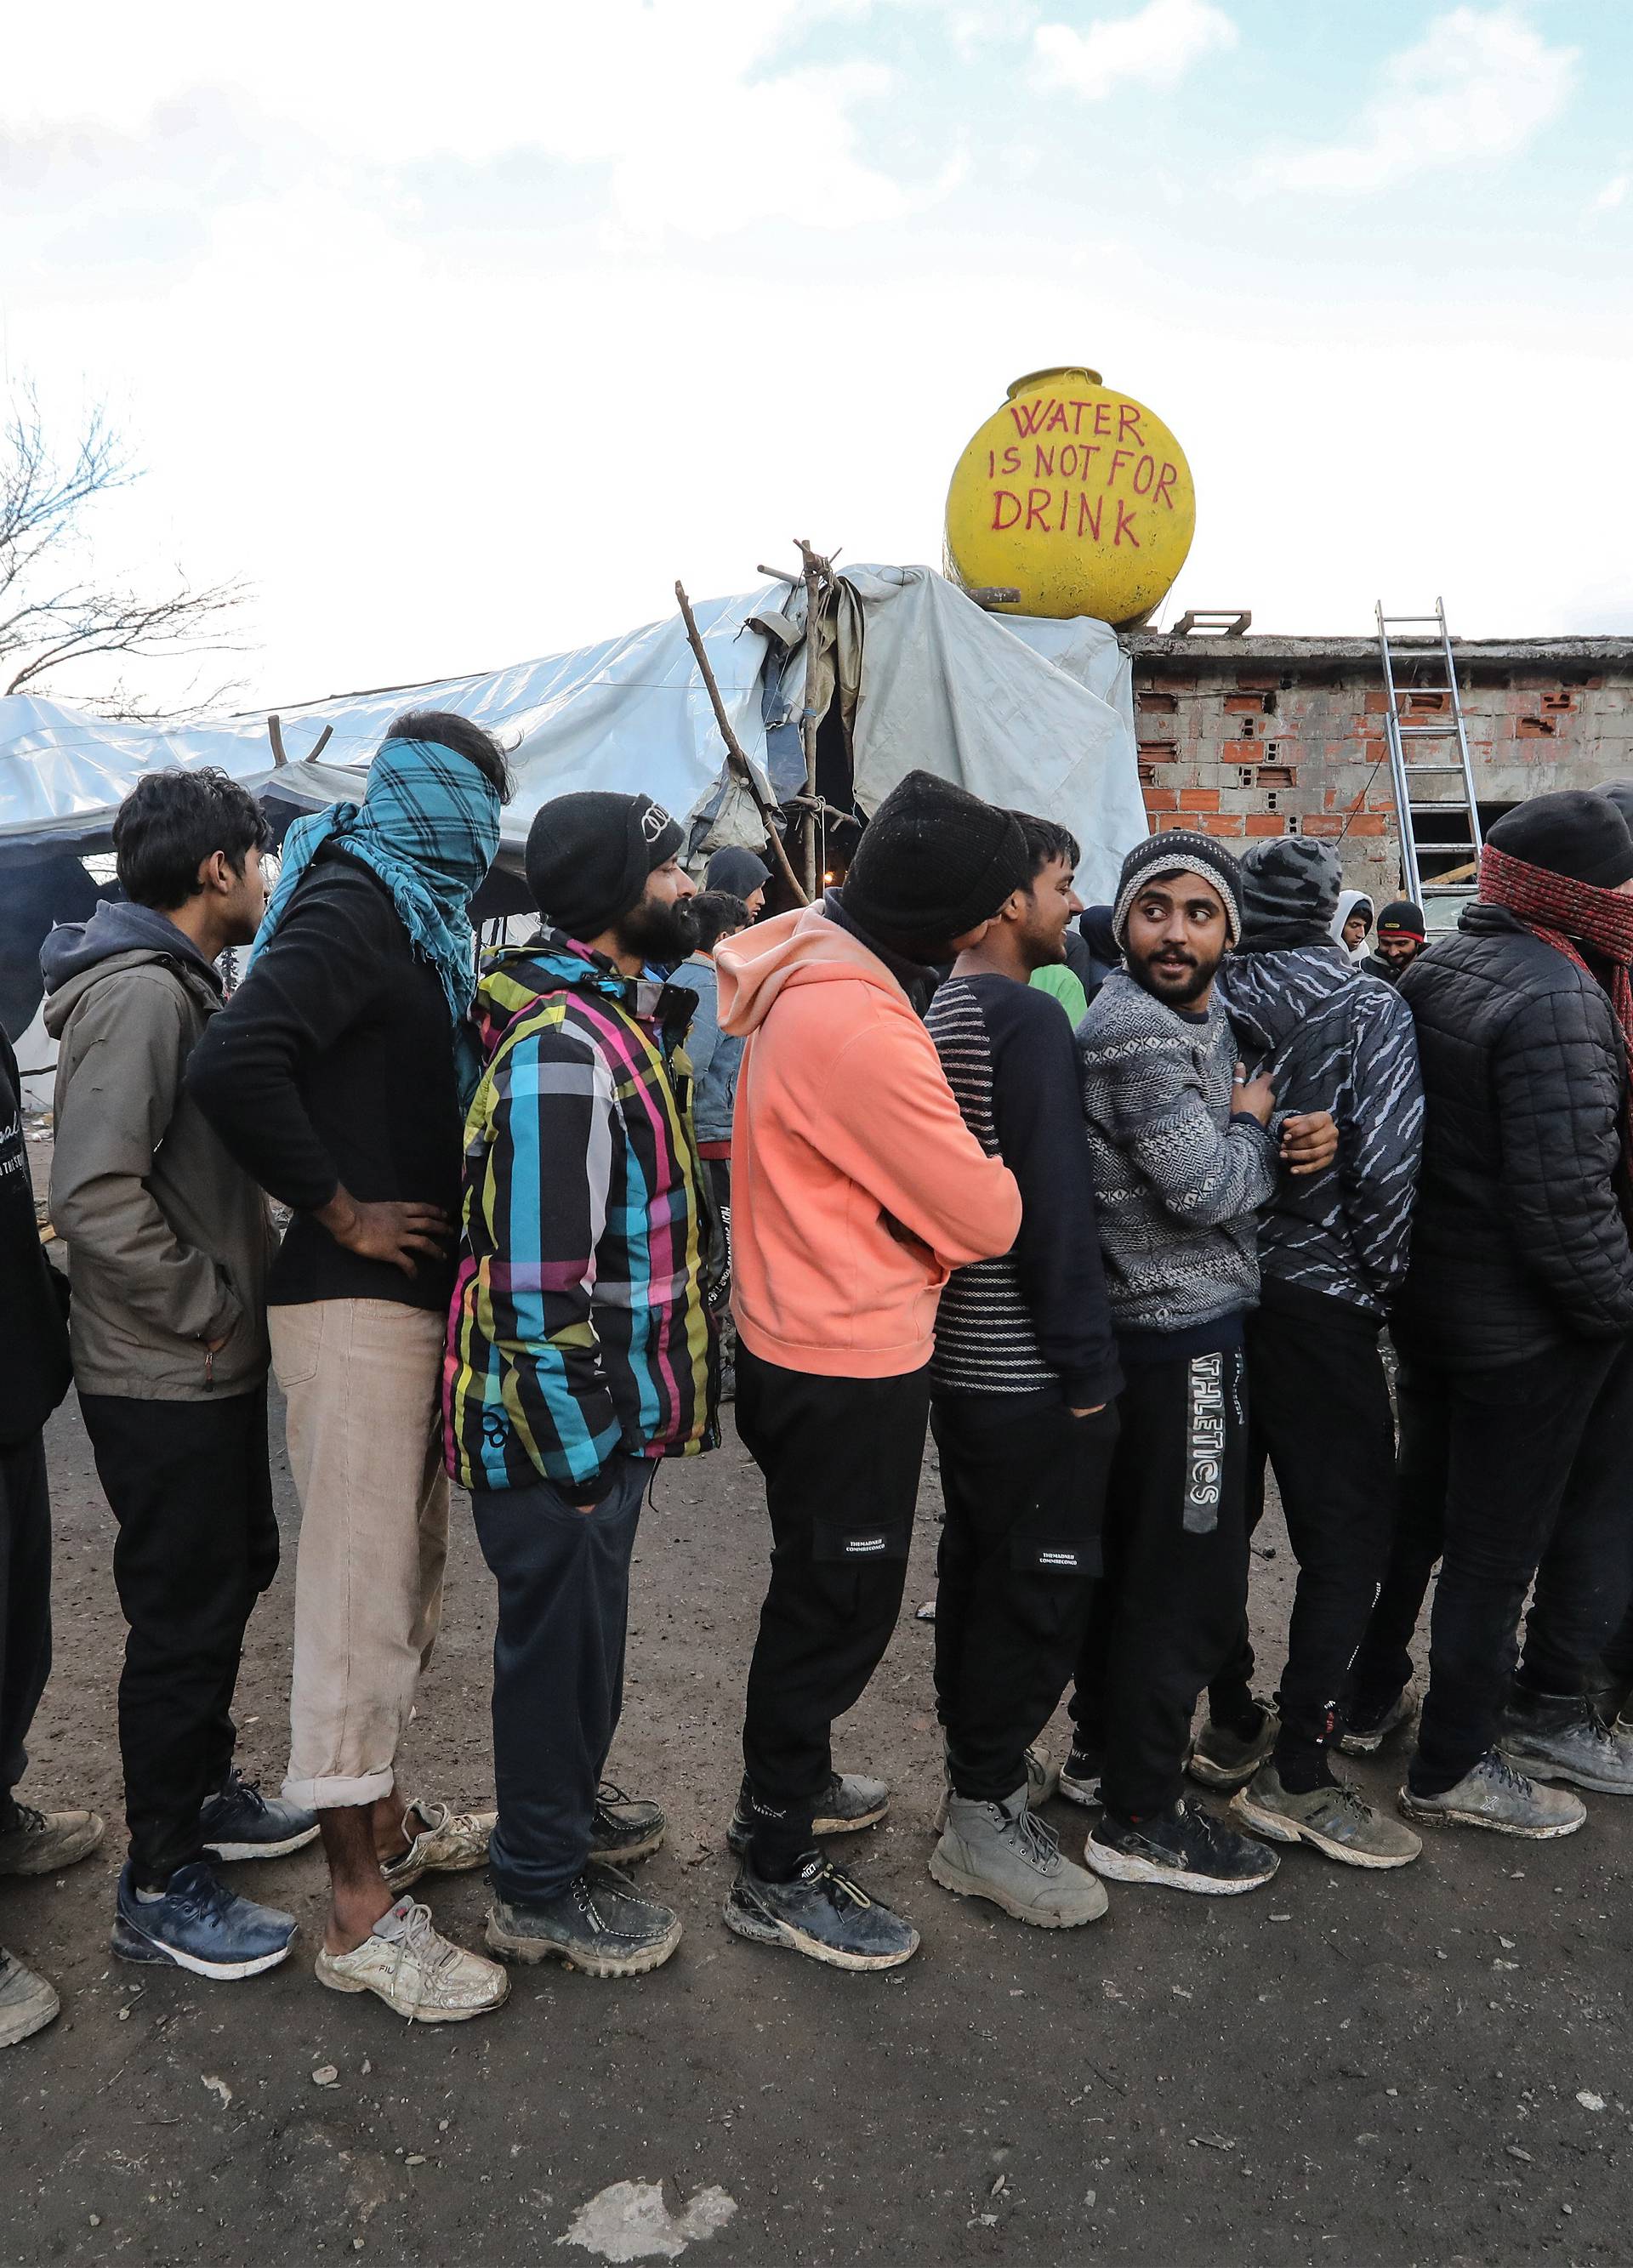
[[461, 333]]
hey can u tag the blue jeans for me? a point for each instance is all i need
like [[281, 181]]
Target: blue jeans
[[563, 1592]]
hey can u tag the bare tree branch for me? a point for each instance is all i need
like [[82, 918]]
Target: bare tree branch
[[45, 625]]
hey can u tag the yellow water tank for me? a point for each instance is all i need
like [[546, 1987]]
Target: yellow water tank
[[1075, 494]]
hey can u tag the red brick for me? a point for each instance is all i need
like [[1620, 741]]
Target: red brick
[[1329, 825], [1244, 704], [1158, 752], [1161, 799], [1224, 822], [1266, 822], [1377, 702], [1240, 752], [1251, 680], [1199, 799], [1155, 704], [1369, 822]]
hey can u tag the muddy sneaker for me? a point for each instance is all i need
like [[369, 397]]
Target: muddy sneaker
[[1080, 1776], [1368, 1727], [199, 1925], [1494, 1795], [241, 1823], [43, 1842], [416, 1970], [1223, 1758], [1333, 1818], [850, 1802], [624, 1827], [600, 1924], [27, 2002], [1185, 1849], [999, 1851], [441, 1842], [1563, 1737], [822, 1913]]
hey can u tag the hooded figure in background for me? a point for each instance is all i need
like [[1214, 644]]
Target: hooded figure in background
[[1354, 907], [740, 874]]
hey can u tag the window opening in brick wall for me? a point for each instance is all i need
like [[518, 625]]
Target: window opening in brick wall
[[1450, 826]]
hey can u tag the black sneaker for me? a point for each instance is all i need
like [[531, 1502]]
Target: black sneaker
[[1186, 1849], [850, 1802], [199, 1925], [1369, 1724], [624, 1827], [600, 1924], [241, 1823], [1080, 1776], [1224, 1758], [823, 1914]]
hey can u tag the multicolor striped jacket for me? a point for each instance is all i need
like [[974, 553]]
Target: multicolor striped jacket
[[579, 1330]]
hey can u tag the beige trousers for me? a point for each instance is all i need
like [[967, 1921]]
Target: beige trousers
[[363, 1383]]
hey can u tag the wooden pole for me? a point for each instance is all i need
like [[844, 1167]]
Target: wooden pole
[[816, 578], [736, 755]]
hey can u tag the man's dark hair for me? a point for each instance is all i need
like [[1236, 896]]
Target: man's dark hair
[[474, 742], [717, 914], [172, 821], [1045, 841]]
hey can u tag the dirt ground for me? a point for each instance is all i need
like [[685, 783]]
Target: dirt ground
[[1344, 2068]]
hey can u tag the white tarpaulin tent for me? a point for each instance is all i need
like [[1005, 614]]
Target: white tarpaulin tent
[[1022, 710], [1028, 713]]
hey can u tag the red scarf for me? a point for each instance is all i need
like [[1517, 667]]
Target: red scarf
[[1564, 914]]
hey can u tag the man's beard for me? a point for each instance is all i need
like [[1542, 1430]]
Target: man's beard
[[1182, 979], [658, 929]]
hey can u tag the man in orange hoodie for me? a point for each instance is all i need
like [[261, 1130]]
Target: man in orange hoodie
[[857, 1190]]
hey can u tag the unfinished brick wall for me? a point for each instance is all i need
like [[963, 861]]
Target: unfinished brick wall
[[1249, 737]]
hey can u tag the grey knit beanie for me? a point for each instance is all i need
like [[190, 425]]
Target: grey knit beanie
[[1177, 851]]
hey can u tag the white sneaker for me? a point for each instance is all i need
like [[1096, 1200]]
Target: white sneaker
[[446, 1843], [416, 1970]]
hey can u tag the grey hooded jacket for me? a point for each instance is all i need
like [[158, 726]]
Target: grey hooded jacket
[[1331, 1039], [168, 1238]]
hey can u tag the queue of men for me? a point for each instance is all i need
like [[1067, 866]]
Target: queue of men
[[1119, 1273]]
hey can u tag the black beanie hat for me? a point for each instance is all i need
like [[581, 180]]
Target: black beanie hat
[[738, 871], [1403, 919], [588, 857], [934, 861], [1621, 794], [1178, 850], [1582, 836]]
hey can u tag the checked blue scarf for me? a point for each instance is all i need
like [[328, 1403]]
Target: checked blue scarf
[[429, 826]]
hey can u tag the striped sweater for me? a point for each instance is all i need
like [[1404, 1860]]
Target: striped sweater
[[1179, 1179], [1035, 1320], [578, 1330]]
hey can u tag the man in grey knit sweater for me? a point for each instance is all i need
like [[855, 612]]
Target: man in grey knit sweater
[[1184, 1152]]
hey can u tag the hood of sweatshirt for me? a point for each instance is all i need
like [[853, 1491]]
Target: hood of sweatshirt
[[1268, 995], [807, 947], [516, 978], [76, 953]]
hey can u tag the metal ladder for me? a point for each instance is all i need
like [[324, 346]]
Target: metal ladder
[[1436, 898]]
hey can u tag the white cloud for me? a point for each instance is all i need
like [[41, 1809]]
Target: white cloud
[[1614, 192], [1479, 84], [1154, 47], [682, 103]]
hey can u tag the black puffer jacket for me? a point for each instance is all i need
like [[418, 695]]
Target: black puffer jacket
[[1519, 1242]]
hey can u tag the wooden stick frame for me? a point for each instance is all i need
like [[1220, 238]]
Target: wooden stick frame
[[736, 755]]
